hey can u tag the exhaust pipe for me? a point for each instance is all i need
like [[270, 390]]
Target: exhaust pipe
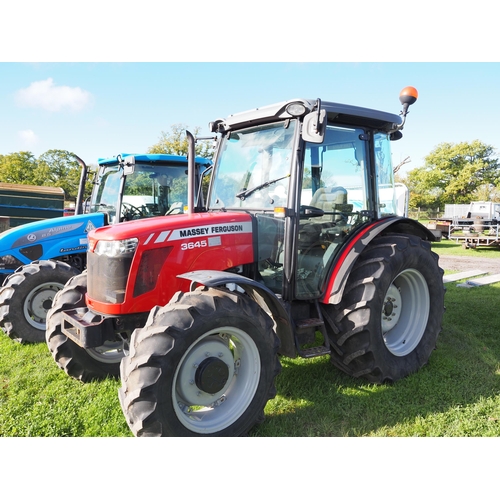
[[191, 171]]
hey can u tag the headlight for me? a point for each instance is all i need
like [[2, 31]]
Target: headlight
[[296, 109], [116, 248]]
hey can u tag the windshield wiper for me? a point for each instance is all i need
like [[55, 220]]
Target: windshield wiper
[[247, 192]]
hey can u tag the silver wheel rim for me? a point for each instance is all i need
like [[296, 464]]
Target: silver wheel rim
[[38, 302], [110, 352], [405, 312], [206, 413]]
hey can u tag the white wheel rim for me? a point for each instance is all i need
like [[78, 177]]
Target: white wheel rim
[[405, 312], [38, 302], [206, 413], [110, 352]]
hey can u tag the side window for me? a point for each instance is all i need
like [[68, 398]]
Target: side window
[[385, 177], [107, 194], [339, 164], [205, 183], [334, 182]]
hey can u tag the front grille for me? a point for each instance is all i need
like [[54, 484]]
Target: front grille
[[149, 269]]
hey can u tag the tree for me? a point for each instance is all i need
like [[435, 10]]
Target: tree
[[18, 168], [487, 192], [452, 174], [175, 143], [55, 167], [60, 168]]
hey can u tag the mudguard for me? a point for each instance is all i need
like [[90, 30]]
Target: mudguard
[[46, 239], [258, 292], [345, 261]]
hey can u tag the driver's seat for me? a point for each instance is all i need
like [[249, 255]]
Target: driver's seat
[[326, 199]]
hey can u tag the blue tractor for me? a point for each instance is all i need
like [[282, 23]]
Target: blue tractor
[[38, 258]]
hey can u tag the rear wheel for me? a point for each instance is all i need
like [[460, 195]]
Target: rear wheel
[[388, 321], [79, 363], [203, 365], [27, 295]]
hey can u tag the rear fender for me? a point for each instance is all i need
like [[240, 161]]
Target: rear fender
[[258, 292], [347, 258]]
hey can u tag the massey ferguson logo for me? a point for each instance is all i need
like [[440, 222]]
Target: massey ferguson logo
[[201, 231], [242, 227], [213, 229]]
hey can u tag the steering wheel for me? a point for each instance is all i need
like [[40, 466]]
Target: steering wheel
[[131, 212]]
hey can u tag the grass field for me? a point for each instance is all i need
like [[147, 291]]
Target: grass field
[[456, 394], [447, 247]]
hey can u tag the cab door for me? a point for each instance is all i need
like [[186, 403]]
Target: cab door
[[333, 202]]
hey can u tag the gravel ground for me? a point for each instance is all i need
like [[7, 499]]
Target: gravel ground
[[464, 263]]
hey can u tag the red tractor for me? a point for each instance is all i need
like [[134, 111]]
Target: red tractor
[[298, 249]]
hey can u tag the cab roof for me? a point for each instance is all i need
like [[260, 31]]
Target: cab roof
[[154, 158], [336, 112]]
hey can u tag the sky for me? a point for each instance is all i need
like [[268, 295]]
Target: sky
[[102, 109], [111, 83]]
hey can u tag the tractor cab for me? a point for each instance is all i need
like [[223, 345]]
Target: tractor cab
[[140, 186], [309, 182]]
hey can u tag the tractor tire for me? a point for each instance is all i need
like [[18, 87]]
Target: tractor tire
[[388, 321], [27, 295], [82, 364], [203, 365]]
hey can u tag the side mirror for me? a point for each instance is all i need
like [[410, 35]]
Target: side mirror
[[129, 165], [395, 136], [314, 127]]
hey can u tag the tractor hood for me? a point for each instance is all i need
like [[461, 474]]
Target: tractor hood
[[168, 228], [40, 231]]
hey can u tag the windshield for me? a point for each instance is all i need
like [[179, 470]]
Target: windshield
[[253, 168], [149, 191]]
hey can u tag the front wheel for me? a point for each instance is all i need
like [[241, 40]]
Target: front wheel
[[387, 323], [82, 364], [27, 295], [203, 365]]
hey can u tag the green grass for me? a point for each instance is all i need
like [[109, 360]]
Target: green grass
[[450, 247], [39, 399], [456, 394]]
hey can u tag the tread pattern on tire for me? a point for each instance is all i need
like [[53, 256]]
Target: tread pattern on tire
[[71, 358], [354, 325], [151, 345], [12, 319]]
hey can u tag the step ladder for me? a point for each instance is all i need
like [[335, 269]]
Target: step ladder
[[306, 325]]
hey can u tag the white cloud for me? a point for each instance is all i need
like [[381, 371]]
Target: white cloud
[[46, 95], [28, 137]]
